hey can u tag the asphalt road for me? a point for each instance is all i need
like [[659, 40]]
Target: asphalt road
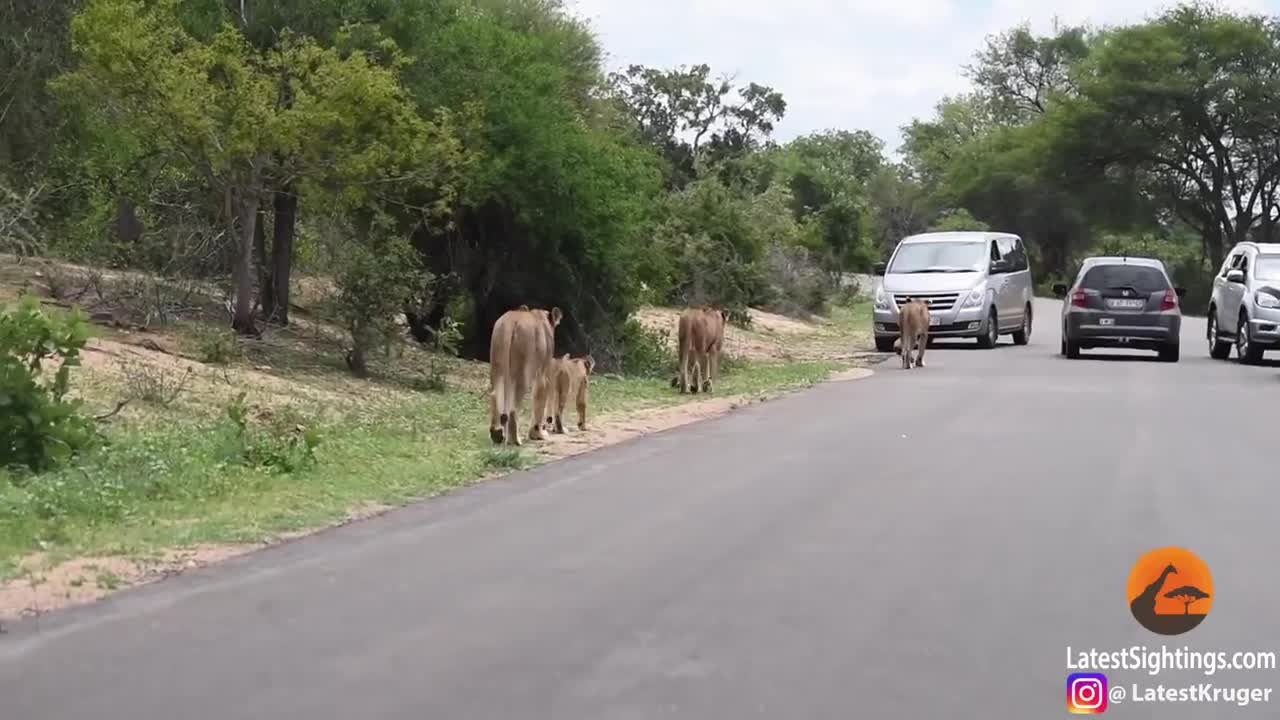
[[915, 545]]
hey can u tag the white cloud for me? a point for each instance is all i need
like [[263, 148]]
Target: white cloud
[[857, 64]]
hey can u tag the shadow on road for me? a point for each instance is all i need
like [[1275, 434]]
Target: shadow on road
[[1116, 357]]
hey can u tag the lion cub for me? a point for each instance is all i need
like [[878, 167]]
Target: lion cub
[[568, 376], [914, 328]]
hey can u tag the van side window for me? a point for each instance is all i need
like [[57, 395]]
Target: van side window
[[995, 251], [1020, 261], [1244, 265]]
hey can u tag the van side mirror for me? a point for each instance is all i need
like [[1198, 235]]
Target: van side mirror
[[878, 269], [1235, 276], [1060, 290], [1182, 292]]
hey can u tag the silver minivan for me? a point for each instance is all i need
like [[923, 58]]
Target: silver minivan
[[977, 284]]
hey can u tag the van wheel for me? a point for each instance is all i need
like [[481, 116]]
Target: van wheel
[[884, 344], [991, 333], [1023, 334]]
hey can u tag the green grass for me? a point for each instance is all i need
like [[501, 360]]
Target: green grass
[[181, 480]]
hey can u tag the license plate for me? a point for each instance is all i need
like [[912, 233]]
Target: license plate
[[1106, 321], [935, 321], [1128, 304]]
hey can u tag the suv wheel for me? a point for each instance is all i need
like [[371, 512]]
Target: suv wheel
[[991, 334], [1023, 334], [1169, 353], [884, 344], [1218, 348], [1246, 351]]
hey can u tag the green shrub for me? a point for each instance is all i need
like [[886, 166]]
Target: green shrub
[[215, 345], [39, 427], [631, 349], [285, 443]]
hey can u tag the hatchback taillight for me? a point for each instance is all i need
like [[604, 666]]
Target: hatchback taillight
[[1170, 300], [1079, 299]]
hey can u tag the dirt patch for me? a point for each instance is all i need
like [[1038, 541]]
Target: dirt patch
[[43, 588]]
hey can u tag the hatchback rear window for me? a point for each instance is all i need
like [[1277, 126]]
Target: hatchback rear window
[[1140, 278]]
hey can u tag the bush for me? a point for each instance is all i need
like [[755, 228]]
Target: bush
[[39, 427], [373, 283], [632, 349], [797, 283], [285, 443], [215, 345]]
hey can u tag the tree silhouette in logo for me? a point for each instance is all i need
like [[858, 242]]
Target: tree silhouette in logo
[[1187, 594], [1155, 605]]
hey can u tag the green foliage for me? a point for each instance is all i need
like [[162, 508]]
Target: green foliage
[[957, 221], [285, 443], [215, 345], [39, 427], [373, 281], [645, 352]]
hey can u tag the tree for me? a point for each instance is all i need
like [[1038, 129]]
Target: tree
[[1019, 74], [692, 120], [956, 221], [1188, 594], [1191, 101], [218, 105], [828, 175]]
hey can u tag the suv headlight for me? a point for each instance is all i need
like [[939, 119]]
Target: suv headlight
[[976, 296], [882, 298], [1266, 300]]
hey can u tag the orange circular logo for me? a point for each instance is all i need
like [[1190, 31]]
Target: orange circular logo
[[1170, 591]]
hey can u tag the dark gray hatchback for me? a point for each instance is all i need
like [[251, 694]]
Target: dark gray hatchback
[[1121, 302]]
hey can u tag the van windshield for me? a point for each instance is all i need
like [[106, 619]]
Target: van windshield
[[940, 257]]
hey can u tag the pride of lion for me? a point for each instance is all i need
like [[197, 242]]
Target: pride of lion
[[522, 359]]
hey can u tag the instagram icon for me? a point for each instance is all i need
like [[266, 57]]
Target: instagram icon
[[1086, 694]]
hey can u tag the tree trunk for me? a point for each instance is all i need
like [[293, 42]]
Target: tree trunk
[[260, 256], [128, 227], [242, 274], [275, 298]]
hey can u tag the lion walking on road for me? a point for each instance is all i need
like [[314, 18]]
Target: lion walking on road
[[913, 319]]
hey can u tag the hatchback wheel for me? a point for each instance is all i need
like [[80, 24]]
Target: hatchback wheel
[[1218, 348], [1070, 349]]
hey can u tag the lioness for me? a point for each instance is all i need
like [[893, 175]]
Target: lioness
[[700, 334], [913, 319], [568, 376], [519, 352]]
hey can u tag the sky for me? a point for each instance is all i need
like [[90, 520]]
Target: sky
[[841, 64]]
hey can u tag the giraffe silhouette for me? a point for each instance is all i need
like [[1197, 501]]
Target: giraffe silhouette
[[1144, 606]]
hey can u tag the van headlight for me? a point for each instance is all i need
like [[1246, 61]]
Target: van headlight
[[882, 298], [976, 296], [1266, 300]]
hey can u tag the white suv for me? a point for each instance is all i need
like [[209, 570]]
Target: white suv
[[1245, 306]]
